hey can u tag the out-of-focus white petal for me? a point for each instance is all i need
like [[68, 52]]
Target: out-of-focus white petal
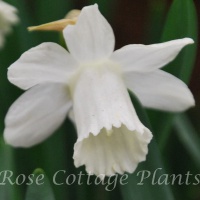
[[47, 62], [2, 40], [107, 124], [91, 38], [160, 90], [146, 58], [8, 13], [8, 17], [36, 114]]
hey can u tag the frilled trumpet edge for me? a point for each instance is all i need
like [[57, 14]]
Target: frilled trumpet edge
[[112, 151]]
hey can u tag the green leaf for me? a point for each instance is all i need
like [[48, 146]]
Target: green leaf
[[188, 136], [7, 190], [155, 22], [181, 22], [48, 11], [61, 157], [52, 11], [149, 190], [40, 189]]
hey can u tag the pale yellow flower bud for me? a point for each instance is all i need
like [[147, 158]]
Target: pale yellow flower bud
[[58, 25], [73, 14]]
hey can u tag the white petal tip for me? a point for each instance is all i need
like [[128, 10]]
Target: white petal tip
[[94, 33], [187, 102], [94, 6], [188, 41], [191, 102], [12, 141]]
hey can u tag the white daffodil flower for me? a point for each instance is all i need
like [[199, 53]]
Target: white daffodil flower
[[8, 17], [93, 81]]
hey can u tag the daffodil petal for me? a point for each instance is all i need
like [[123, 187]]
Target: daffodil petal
[[160, 90], [91, 38], [146, 58], [47, 62], [36, 114], [107, 124]]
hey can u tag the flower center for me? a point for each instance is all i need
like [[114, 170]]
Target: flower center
[[91, 69]]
